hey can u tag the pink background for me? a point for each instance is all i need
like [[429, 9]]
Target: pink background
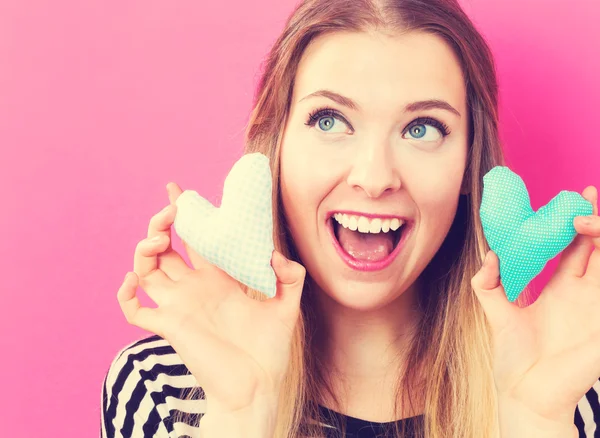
[[103, 102]]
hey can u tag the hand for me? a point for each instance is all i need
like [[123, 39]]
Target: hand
[[236, 347], [547, 355]]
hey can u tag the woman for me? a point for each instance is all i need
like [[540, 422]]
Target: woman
[[373, 114]]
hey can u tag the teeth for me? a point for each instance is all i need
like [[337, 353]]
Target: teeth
[[375, 226], [353, 223], [363, 224], [385, 226], [366, 225]]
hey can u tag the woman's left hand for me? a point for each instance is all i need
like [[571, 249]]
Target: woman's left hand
[[547, 355]]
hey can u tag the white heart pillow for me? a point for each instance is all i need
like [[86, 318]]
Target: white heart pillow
[[238, 236]]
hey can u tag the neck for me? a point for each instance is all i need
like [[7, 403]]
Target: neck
[[363, 351]]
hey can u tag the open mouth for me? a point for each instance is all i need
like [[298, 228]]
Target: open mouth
[[367, 251]]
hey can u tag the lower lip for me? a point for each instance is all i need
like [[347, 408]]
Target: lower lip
[[364, 265]]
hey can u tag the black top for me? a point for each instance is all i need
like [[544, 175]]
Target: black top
[[358, 428]]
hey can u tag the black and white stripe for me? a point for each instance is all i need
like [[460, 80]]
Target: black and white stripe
[[587, 415], [146, 383], [144, 389]]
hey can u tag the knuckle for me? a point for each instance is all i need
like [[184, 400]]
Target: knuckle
[[143, 246], [149, 247], [143, 281], [154, 221]]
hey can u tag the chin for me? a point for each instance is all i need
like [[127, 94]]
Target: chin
[[360, 295]]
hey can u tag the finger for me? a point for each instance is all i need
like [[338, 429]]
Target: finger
[[173, 265], [196, 260], [290, 283], [575, 257], [169, 261], [154, 281], [491, 294], [592, 272], [146, 265], [143, 317], [145, 258], [592, 231], [173, 191], [160, 223]]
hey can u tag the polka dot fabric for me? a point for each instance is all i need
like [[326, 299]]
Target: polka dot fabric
[[524, 240], [238, 236]]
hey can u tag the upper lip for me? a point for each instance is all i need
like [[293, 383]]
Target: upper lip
[[369, 215]]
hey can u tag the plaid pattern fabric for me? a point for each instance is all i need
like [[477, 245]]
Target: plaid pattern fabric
[[524, 240], [238, 236]]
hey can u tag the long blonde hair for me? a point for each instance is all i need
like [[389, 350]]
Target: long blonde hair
[[452, 342]]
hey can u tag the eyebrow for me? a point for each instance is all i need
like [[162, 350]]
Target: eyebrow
[[411, 107]]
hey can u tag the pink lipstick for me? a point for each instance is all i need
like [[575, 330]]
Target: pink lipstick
[[365, 265]]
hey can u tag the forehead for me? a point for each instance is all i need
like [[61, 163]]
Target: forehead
[[378, 70]]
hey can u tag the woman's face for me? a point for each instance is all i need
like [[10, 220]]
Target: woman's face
[[373, 157]]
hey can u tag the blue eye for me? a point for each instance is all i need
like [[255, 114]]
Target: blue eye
[[326, 118], [421, 131], [418, 129]]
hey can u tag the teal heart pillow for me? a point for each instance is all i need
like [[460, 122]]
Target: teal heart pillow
[[524, 240], [238, 236]]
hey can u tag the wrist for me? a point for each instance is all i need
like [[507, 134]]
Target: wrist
[[515, 421], [253, 421]]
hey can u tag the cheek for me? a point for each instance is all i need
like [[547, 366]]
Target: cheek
[[305, 176], [305, 184], [437, 198], [296, 194], [300, 197]]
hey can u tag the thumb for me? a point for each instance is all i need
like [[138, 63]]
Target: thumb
[[173, 192], [290, 281], [491, 295]]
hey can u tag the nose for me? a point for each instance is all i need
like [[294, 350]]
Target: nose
[[374, 171]]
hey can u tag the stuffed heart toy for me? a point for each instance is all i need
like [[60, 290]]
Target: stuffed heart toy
[[524, 240], [238, 236]]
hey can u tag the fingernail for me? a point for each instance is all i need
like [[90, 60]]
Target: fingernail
[[155, 239], [585, 220]]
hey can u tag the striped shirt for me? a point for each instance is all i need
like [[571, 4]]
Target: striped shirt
[[146, 385]]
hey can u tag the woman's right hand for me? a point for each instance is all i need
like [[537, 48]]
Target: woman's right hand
[[237, 348]]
